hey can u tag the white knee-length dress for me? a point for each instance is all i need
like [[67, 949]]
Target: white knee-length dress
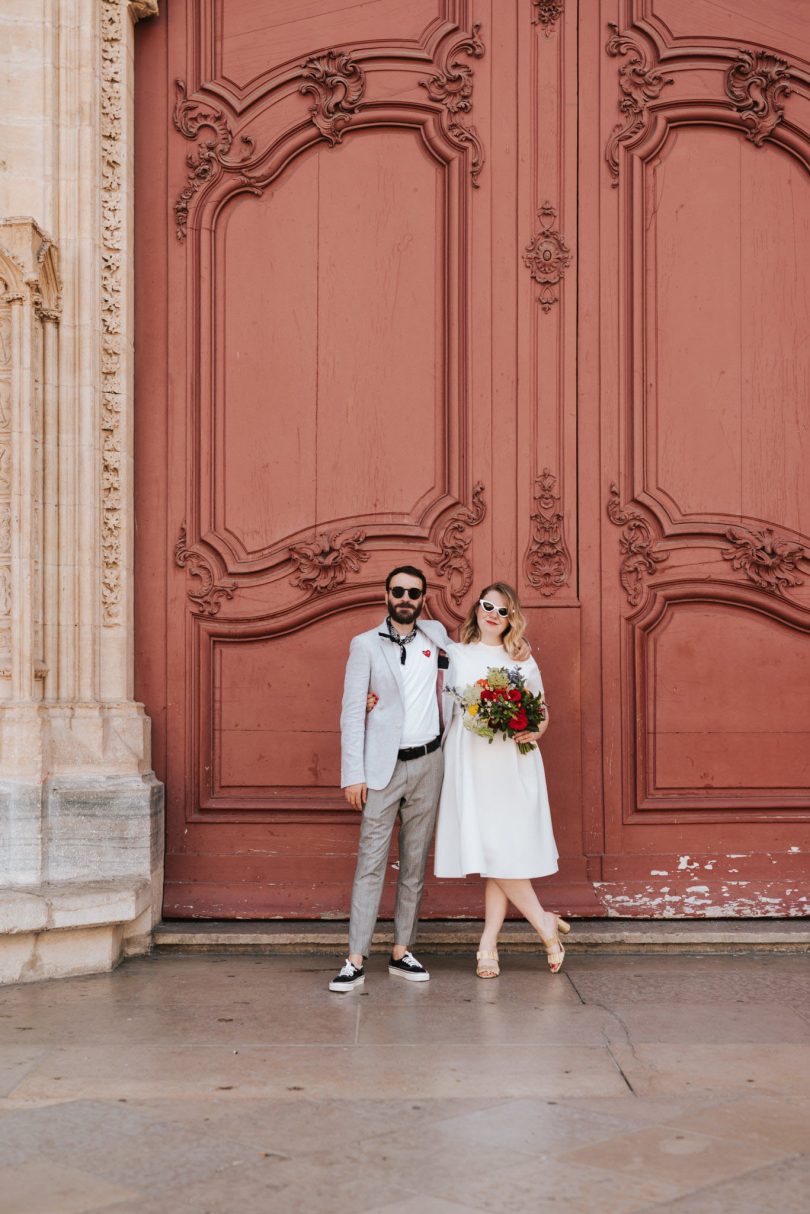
[[494, 816]]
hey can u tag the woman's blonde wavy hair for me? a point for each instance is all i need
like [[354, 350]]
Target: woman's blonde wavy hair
[[514, 638]]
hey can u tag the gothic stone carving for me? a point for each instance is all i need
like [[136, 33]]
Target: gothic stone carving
[[112, 296], [338, 85], [452, 88], [636, 546], [5, 480], [756, 83], [139, 9], [454, 541], [639, 85], [29, 306], [211, 156], [547, 256], [325, 563], [547, 13], [769, 562], [210, 592], [547, 563]]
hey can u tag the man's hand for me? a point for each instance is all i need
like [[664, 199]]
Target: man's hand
[[356, 795]]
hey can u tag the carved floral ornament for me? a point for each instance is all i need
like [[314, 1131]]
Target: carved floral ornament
[[334, 80], [452, 88], [547, 256], [211, 157], [324, 563], [547, 13], [454, 541], [639, 84], [756, 83], [547, 563], [113, 293], [769, 561], [338, 85], [636, 544], [207, 596]]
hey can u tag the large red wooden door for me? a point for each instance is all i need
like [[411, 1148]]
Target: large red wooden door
[[695, 369], [405, 294], [346, 324]]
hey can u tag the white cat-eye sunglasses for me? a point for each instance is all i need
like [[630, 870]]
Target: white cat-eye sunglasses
[[490, 607]]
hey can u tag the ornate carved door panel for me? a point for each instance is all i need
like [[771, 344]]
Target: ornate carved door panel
[[697, 215], [501, 289], [348, 311]]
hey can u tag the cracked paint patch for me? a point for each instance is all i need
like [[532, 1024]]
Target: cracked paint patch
[[721, 900]]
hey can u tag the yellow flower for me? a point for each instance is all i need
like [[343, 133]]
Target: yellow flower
[[472, 709]]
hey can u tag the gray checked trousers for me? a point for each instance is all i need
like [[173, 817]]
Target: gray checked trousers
[[412, 795]]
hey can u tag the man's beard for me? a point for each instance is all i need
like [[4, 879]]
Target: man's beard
[[404, 613]]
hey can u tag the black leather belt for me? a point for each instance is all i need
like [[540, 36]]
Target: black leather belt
[[418, 752]]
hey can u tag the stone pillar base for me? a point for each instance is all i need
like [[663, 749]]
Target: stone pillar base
[[64, 928], [80, 828], [110, 826], [82, 871]]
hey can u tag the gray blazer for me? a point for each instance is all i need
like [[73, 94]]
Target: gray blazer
[[370, 741]]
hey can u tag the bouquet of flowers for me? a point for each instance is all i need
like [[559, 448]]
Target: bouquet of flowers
[[501, 704]]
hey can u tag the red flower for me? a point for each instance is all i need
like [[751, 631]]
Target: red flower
[[514, 695], [519, 720], [487, 695]]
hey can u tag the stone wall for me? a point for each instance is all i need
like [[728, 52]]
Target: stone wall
[[80, 809]]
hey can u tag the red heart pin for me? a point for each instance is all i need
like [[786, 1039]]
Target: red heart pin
[[426, 652]]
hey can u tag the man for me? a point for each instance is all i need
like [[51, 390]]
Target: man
[[392, 767]]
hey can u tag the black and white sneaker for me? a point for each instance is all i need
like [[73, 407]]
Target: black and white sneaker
[[408, 967], [349, 977]]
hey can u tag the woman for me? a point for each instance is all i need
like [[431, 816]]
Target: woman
[[494, 814]]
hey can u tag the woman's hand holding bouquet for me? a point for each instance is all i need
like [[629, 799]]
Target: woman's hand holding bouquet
[[502, 704]]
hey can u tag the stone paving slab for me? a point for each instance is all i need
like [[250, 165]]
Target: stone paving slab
[[205, 1084]]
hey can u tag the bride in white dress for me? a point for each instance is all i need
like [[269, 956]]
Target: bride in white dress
[[494, 816]]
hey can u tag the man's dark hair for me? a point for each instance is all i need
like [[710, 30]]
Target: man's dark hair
[[411, 571]]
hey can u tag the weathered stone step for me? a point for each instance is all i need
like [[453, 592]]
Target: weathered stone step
[[449, 936]]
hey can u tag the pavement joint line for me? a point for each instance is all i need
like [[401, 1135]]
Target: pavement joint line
[[618, 1066], [576, 989]]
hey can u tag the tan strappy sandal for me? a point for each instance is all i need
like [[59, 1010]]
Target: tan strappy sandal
[[555, 953], [486, 964]]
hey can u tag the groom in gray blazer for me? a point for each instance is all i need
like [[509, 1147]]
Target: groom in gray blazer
[[392, 767]]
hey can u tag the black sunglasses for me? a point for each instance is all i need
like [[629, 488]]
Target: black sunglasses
[[398, 592]]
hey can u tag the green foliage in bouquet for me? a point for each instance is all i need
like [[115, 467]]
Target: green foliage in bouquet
[[501, 704]]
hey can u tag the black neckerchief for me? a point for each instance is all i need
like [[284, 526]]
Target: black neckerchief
[[393, 635]]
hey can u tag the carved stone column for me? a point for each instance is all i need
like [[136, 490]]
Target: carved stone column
[[29, 305], [79, 804]]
